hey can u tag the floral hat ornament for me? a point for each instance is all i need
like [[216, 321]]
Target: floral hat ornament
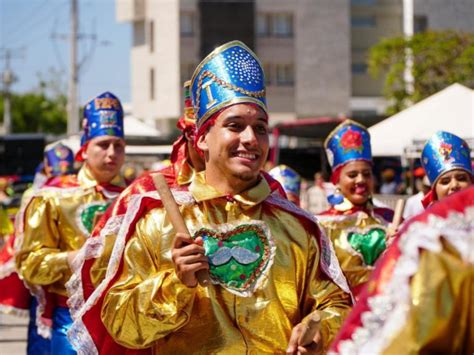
[[289, 179], [349, 141], [229, 75], [58, 160], [443, 152]]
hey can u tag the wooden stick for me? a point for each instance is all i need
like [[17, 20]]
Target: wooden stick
[[310, 329], [397, 216], [176, 218]]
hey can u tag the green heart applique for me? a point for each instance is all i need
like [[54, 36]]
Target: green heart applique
[[370, 245], [237, 258], [88, 214]]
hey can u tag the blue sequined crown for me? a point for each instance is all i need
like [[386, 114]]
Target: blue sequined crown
[[103, 116], [443, 152], [58, 160], [230, 74], [349, 141], [289, 179]]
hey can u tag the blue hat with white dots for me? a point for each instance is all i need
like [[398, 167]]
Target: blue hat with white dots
[[229, 75]]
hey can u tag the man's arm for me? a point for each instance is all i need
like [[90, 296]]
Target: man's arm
[[39, 259]]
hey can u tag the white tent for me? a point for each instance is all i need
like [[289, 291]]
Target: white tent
[[451, 109]]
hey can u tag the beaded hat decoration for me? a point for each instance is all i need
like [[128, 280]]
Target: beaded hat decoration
[[443, 152], [58, 160], [230, 74], [349, 141]]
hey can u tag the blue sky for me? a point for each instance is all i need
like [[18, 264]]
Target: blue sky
[[29, 24]]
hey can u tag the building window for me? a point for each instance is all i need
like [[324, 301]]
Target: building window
[[282, 25], [363, 21], [284, 74], [274, 25], [359, 68], [152, 84], [186, 24], [151, 36], [267, 70], [420, 24], [263, 25], [187, 71]]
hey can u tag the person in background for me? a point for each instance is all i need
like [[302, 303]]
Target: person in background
[[15, 298], [264, 253], [446, 159], [419, 299], [59, 217], [290, 180], [316, 195], [357, 228], [389, 185], [413, 204]]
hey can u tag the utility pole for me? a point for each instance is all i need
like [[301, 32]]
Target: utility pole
[[8, 78], [408, 31], [73, 113]]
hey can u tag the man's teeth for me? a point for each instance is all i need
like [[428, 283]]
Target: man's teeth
[[246, 155]]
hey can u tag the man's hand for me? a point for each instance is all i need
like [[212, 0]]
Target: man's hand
[[296, 347], [71, 255], [188, 257]]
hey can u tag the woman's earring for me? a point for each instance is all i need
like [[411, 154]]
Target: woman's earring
[[336, 198]]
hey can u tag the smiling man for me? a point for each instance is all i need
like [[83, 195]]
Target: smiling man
[[269, 265], [58, 218]]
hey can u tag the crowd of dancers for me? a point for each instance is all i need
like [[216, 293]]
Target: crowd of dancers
[[105, 268]]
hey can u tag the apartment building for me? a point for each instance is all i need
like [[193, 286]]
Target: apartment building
[[314, 52]]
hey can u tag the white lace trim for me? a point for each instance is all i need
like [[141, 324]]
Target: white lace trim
[[328, 260], [388, 310], [7, 268], [78, 334]]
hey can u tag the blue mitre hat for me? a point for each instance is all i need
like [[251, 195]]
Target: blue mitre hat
[[289, 179], [103, 116], [443, 152], [58, 160], [349, 141], [229, 75]]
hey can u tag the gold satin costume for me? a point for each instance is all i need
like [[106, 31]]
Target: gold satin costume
[[51, 230], [149, 306], [338, 228]]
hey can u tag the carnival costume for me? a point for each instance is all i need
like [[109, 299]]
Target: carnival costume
[[358, 233], [444, 152], [419, 299], [15, 298], [248, 246], [58, 218]]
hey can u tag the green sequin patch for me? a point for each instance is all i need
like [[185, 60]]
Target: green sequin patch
[[370, 245], [88, 214], [237, 258]]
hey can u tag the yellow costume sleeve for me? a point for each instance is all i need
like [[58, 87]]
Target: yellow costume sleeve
[[146, 304], [39, 259], [327, 299]]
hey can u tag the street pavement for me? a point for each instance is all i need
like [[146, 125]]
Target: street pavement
[[13, 335]]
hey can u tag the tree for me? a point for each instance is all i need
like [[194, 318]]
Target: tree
[[42, 110], [439, 60]]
